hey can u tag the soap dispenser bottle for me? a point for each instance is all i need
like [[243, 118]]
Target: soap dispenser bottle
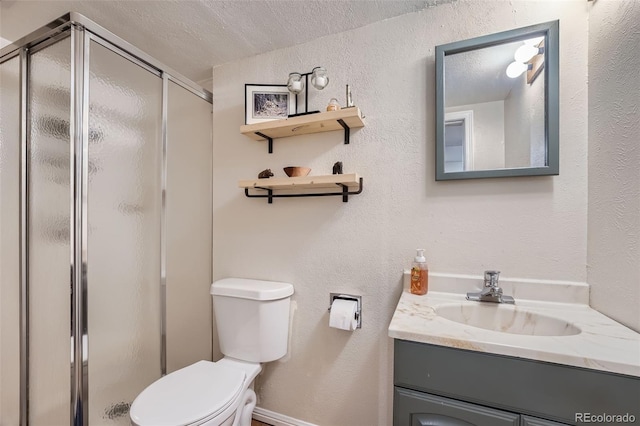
[[419, 274]]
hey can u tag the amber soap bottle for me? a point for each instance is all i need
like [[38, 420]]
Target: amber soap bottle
[[419, 274]]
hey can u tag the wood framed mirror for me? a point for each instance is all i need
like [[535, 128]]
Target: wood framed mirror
[[497, 105]]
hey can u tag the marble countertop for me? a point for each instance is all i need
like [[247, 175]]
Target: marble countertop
[[602, 344]]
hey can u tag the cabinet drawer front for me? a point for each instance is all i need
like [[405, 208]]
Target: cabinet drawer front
[[412, 408], [532, 421]]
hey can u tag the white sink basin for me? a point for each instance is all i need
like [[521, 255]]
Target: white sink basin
[[506, 319]]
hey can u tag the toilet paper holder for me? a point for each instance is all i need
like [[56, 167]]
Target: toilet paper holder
[[358, 299]]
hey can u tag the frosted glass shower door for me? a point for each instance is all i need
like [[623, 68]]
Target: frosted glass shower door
[[124, 206], [49, 244], [10, 241]]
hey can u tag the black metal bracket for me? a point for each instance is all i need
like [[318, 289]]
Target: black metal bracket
[[346, 131], [269, 139], [270, 195]]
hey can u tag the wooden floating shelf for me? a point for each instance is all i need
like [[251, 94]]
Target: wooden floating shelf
[[297, 186], [343, 119], [321, 182]]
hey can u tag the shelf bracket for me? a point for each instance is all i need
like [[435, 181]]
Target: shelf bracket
[[269, 140], [346, 131], [269, 195], [345, 193]]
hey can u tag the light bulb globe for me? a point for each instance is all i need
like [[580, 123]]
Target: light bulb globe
[[525, 53], [295, 84], [515, 69], [319, 78]]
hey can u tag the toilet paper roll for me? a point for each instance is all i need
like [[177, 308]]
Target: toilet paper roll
[[343, 314]]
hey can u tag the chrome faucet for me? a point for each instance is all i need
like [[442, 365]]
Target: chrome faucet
[[491, 291]]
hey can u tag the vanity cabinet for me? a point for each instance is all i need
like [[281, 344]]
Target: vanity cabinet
[[487, 389]]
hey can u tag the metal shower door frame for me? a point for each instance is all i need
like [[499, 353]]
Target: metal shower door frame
[[82, 31]]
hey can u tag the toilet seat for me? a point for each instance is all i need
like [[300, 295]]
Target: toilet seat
[[189, 396]]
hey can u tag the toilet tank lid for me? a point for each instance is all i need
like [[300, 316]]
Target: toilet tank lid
[[245, 288]]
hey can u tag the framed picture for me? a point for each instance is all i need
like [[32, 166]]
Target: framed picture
[[266, 102]]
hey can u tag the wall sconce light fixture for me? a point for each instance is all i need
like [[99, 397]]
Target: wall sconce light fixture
[[528, 57], [296, 85]]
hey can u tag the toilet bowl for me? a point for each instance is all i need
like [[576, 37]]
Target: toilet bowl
[[205, 393], [252, 317]]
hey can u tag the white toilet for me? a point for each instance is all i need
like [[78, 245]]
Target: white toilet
[[252, 318]]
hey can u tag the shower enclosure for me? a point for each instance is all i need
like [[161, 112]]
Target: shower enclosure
[[105, 225]]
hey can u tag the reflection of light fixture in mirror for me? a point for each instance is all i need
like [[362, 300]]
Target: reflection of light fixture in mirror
[[526, 52], [296, 85], [528, 57], [515, 69], [534, 41]]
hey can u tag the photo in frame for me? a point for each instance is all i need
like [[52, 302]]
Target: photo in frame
[[267, 102]]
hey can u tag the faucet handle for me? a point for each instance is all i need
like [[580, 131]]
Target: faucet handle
[[491, 278]]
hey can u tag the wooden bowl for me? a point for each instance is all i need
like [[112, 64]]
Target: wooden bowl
[[296, 171]]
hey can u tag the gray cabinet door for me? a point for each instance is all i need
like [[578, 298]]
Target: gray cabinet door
[[412, 408], [535, 388], [534, 421]]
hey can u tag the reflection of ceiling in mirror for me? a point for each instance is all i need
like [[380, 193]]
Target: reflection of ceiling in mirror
[[479, 75]]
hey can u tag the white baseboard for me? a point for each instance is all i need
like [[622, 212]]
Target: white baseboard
[[277, 419]]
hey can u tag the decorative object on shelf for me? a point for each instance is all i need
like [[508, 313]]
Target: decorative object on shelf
[[319, 78], [333, 105], [265, 174], [337, 168], [267, 102], [349, 98], [296, 85], [296, 171]]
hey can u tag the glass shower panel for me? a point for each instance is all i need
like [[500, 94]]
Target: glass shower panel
[[188, 228], [49, 249], [10, 241], [124, 204]]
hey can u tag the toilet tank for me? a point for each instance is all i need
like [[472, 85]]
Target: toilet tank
[[252, 318]]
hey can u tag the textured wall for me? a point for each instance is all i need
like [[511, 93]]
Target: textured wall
[[488, 133], [527, 227], [524, 129], [614, 159]]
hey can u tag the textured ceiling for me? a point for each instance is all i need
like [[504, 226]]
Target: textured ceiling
[[479, 75], [193, 36]]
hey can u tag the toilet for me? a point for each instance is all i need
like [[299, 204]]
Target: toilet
[[252, 318]]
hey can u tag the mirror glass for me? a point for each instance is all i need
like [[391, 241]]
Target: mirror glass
[[497, 105]]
